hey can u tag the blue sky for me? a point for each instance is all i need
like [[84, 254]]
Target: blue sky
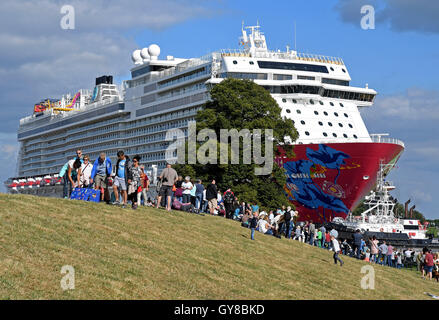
[[399, 59]]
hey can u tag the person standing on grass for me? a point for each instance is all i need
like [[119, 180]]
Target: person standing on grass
[[134, 173], [336, 248], [373, 249], [357, 243], [311, 231], [144, 184], [383, 253], [253, 223], [211, 196], [168, 177], [428, 264], [187, 186], [389, 255], [199, 189], [84, 173], [100, 172], [120, 180], [323, 230]]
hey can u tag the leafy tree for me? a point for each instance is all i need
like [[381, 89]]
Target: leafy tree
[[242, 104]]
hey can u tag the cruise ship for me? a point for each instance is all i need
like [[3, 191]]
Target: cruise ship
[[336, 158]]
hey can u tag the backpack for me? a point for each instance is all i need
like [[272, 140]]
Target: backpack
[[228, 197], [176, 204]]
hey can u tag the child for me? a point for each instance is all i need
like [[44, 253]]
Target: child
[[367, 258], [336, 248], [253, 222], [398, 261]]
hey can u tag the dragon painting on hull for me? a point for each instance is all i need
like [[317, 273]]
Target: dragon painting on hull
[[328, 180]]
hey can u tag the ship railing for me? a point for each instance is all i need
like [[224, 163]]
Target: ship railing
[[378, 138], [27, 121], [292, 55]]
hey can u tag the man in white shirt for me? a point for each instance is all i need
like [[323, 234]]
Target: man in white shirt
[[336, 248]]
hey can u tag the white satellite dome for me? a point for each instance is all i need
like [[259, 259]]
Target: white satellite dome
[[137, 58], [154, 51], [144, 53]]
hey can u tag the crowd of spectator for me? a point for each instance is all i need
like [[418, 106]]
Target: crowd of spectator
[[130, 183]]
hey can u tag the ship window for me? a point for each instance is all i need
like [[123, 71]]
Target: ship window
[[325, 113], [345, 135], [288, 111], [305, 78], [311, 101], [355, 136], [302, 122], [320, 123], [350, 126], [341, 105], [298, 111], [321, 102], [343, 70], [316, 113], [294, 101], [346, 115], [307, 133], [335, 135], [251, 62], [341, 126], [330, 124], [331, 103], [292, 66], [336, 114], [332, 69], [284, 100], [325, 134], [294, 122], [235, 62]]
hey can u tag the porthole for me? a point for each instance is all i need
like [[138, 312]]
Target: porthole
[[345, 135], [346, 115], [307, 133], [343, 70], [340, 125], [251, 62], [355, 136], [341, 105], [235, 62], [325, 113], [320, 123], [311, 101], [325, 134], [350, 126], [331, 103], [316, 112], [284, 100], [330, 124], [288, 110], [302, 122], [298, 111], [335, 135], [294, 101], [321, 103], [294, 122], [336, 114], [332, 69]]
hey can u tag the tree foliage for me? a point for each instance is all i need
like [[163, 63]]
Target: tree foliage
[[242, 104]]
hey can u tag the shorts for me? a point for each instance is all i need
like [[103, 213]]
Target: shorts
[[428, 269], [165, 191], [120, 183], [213, 203], [100, 181]]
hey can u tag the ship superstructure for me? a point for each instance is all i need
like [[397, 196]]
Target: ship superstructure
[[336, 157]]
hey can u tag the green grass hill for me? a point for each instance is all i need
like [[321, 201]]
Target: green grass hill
[[153, 254]]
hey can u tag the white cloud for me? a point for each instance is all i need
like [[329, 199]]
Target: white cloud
[[414, 104]]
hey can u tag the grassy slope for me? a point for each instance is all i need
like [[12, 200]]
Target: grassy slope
[[151, 254]]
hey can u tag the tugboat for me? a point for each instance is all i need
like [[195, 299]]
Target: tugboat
[[380, 221]]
